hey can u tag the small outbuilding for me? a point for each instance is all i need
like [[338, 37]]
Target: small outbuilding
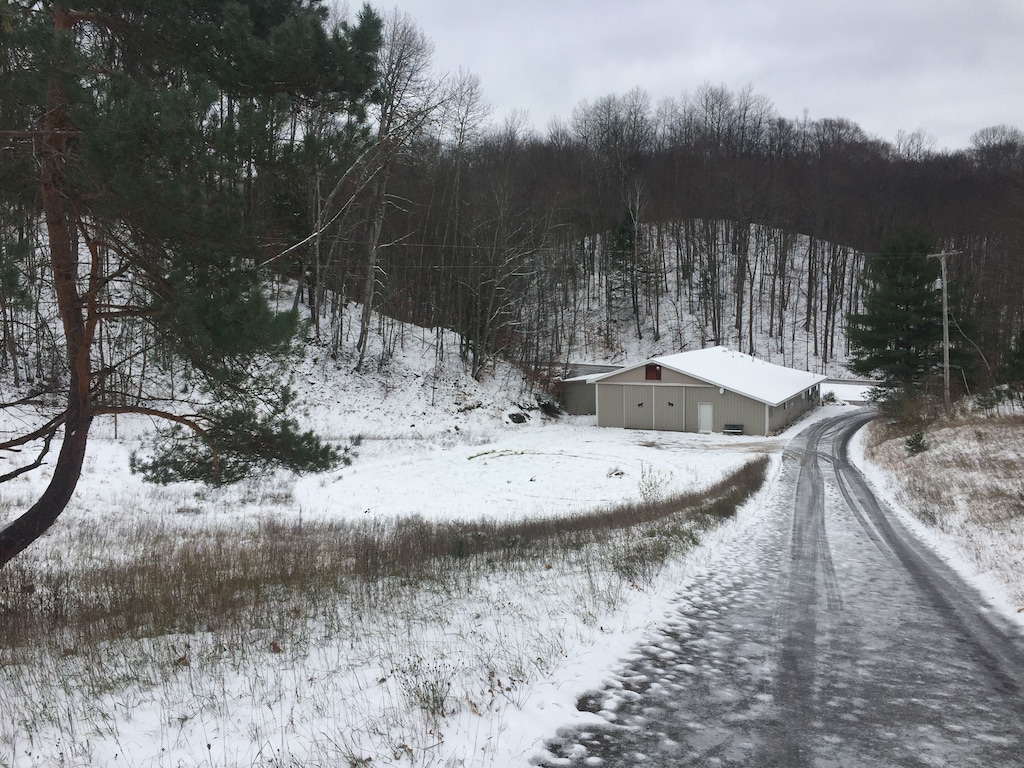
[[706, 390], [576, 393]]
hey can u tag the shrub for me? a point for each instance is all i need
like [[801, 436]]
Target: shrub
[[915, 443], [549, 407], [652, 484]]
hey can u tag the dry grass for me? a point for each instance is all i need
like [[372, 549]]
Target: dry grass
[[280, 573], [968, 484]]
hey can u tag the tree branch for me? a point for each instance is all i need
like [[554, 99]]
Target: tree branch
[[47, 441], [156, 413], [47, 431]]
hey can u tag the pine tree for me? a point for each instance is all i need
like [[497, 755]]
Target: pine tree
[[898, 336], [150, 134]]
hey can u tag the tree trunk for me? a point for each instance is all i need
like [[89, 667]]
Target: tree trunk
[[370, 280], [18, 535], [10, 343]]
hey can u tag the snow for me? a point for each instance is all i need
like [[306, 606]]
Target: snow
[[1002, 547], [707, 686], [433, 443], [738, 372], [534, 470], [846, 393], [515, 650]]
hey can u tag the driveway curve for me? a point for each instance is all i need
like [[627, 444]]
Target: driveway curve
[[826, 635]]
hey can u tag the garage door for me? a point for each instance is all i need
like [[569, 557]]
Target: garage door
[[638, 407], [669, 408]]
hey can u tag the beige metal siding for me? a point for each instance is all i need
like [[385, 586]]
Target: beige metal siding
[[638, 406], [639, 376], [733, 408], [646, 406], [781, 416], [729, 408], [804, 402], [579, 398], [696, 395], [670, 408], [778, 418], [609, 405]]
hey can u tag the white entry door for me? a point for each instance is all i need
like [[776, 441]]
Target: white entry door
[[705, 417]]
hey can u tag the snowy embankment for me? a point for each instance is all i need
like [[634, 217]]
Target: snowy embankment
[[963, 495]]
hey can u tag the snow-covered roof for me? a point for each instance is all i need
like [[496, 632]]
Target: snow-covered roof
[[750, 376]]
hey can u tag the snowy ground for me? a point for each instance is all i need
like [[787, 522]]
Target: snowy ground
[[963, 496], [849, 393], [507, 654]]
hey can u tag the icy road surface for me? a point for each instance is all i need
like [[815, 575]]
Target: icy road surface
[[826, 637]]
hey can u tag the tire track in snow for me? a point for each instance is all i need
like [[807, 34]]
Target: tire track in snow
[[813, 639], [992, 638], [810, 565]]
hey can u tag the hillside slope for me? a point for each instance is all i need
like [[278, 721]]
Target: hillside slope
[[964, 493]]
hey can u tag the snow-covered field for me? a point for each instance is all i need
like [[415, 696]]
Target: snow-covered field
[[502, 656], [476, 673]]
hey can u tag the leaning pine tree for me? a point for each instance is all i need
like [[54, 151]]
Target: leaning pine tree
[[898, 336], [141, 136]]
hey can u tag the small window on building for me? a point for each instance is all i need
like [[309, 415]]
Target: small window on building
[[653, 372]]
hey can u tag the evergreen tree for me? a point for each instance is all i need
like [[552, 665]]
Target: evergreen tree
[[151, 134], [898, 336]]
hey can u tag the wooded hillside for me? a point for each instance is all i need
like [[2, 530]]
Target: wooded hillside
[[702, 220]]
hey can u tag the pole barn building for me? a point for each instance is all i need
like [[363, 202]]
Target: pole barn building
[[706, 390]]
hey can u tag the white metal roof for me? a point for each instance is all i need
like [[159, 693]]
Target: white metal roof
[[750, 376]]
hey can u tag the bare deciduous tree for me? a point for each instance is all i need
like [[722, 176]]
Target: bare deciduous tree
[[409, 97]]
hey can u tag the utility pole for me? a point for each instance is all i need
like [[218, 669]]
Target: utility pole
[[945, 325]]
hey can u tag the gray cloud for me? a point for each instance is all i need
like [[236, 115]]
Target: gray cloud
[[947, 66]]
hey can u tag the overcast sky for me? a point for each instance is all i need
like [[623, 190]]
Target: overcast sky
[[950, 67]]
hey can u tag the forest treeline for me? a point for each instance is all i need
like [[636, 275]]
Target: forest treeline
[[710, 212], [704, 219]]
